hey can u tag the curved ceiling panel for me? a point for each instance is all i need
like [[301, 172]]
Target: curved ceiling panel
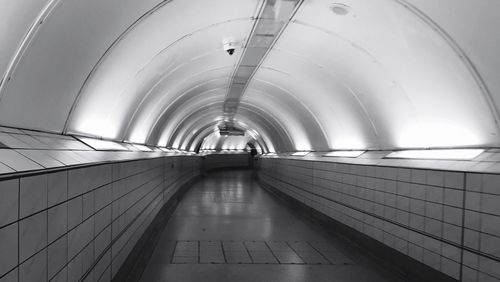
[[385, 74], [441, 103], [214, 141], [301, 125], [337, 116], [171, 123], [271, 131], [168, 99], [17, 19], [472, 29], [251, 129], [51, 71], [166, 48]]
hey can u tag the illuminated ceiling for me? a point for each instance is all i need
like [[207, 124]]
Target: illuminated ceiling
[[305, 75]]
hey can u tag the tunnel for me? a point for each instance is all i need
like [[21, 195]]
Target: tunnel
[[249, 140]]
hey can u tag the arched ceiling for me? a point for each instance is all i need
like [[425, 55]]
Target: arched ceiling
[[306, 75]]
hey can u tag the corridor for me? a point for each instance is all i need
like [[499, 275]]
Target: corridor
[[228, 228], [249, 140]]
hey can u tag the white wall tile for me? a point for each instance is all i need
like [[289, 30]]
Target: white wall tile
[[416, 252], [471, 239], [57, 221], [471, 259], [490, 267], [32, 235], [432, 244], [473, 201], [9, 201], [491, 183], [75, 212], [62, 276], [490, 204], [417, 221], [490, 224], [454, 180], [102, 241], [103, 196], [490, 244], [469, 275], [403, 203], [434, 194], [404, 174], [474, 182], [403, 188], [433, 210], [79, 237], [432, 259], [434, 227], [451, 252], [34, 269], [452, 215], [57, 256], [450, 268], [8, 248], [452, 233], [418, 176], [417, 191], [435, 178], [453, 197], [102, 219], [75, 269], [33, 195], [472, 220], [417, 206], [57, 187], [12, 276], [88, 258], [102, 268], [88, 204]]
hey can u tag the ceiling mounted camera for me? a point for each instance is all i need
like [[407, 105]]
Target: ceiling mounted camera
[[229, 45]]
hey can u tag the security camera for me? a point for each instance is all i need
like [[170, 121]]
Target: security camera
[[229, 48], [229, 45]]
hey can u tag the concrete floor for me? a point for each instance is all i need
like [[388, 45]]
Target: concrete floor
[[227, 228]]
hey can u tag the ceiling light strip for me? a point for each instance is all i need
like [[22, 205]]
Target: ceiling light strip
[[273, 19]]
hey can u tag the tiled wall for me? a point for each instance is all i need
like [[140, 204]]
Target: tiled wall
[[214, 161], [447, 220], [83, 222]]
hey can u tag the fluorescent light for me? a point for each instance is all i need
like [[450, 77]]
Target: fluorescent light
[[300, 154], [104, 145], [142, 148], [345, 154], [438, 154]]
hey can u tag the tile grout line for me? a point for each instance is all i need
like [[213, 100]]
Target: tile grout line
[[295, 251], [248, 251], [272, 253], [223, 252], [320, 253]]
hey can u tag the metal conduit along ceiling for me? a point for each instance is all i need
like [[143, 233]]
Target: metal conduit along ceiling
[[303, 75]]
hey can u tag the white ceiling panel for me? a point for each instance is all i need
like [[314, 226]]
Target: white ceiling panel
[[357, 74]]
